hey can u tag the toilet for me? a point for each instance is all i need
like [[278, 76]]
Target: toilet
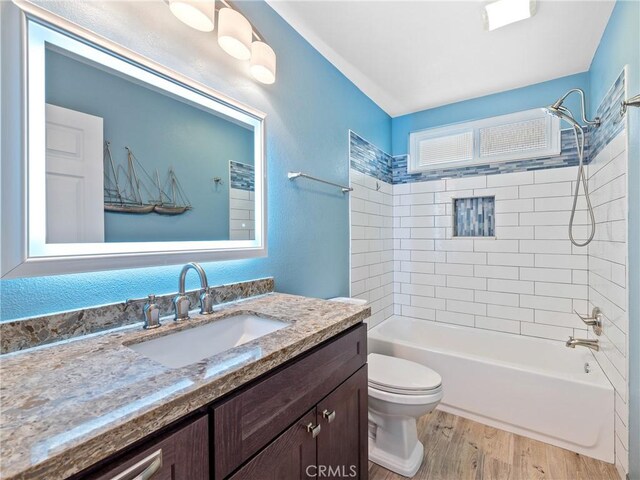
[[400, 392]]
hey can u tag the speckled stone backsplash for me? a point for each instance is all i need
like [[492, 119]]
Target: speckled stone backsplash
[[34, 331]]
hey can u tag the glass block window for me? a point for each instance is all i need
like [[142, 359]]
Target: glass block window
[[474, 217]]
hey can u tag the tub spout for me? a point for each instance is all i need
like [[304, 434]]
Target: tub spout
[[583, 342]]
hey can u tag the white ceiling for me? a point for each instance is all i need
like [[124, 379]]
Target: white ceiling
[[413, 55]]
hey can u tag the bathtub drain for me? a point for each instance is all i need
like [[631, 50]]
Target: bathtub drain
[[587, 367]]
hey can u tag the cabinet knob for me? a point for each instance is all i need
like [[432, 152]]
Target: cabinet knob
[[329, 415], [314, 430]]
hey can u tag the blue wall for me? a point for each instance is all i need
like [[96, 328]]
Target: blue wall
[[620, 46], [525, 98], [309, 110], [162, 132]]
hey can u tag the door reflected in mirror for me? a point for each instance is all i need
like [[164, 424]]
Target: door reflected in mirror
[[129, 162]]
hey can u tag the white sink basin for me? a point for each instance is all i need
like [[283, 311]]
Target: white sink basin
[[194, 344]]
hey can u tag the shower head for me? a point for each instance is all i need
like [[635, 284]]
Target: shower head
[[559, 110]]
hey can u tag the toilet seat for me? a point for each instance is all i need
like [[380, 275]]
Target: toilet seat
[[413, 399], [401, 377]]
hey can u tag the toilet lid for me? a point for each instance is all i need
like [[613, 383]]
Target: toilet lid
[[400, 375]]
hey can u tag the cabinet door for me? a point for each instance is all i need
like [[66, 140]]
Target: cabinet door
[[290, 456], [342, 443], [182, 455], [250, 419]]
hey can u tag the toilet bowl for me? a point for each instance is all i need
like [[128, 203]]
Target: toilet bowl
[[400, 392]]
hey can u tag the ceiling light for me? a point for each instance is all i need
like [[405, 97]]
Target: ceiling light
[[263, 62], [198, 14], [234, 33], [503, 12]]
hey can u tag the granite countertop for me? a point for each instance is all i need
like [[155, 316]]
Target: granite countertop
[[69, 405]]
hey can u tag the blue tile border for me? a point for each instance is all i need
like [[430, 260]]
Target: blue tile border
[[370, 160], [241, 176], [567, 158], [612, 123], [474, 217]]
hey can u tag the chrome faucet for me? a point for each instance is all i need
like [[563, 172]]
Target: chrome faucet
[[181, 301], [583, 342]]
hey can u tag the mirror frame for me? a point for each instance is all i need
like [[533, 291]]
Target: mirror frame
[[25, 251]]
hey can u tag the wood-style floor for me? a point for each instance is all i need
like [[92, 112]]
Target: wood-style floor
[[460, 449]]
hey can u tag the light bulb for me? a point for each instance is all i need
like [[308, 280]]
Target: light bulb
[[263, 62], [234, 33], [198, 14]]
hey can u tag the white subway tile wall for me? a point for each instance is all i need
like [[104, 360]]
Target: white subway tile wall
[[607, 278], [527, 281], [372, 244], [241, 214]]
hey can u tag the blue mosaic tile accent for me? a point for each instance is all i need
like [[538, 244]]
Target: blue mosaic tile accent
[[609, 113], [368, 159], [474, 217], [241, 176], [567, 158]]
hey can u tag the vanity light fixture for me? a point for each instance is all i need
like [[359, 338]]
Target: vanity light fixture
[[504, 12], [236, 35], [198, 14]]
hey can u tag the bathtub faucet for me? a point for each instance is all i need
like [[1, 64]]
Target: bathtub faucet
[[583, 342]]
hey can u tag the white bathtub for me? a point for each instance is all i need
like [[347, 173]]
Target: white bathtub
[[528, 386]]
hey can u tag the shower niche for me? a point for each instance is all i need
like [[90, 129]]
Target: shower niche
[[474, 217]]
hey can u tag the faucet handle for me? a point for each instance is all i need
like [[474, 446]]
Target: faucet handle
[[181, 307], [151, 313], [206, 301], [595, 320]]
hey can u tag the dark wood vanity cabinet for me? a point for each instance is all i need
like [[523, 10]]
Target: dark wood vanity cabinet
[[328, 442], [306, 419], [248, 420]]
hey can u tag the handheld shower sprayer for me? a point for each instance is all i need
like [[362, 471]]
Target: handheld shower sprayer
[[559, 110], [563, 113]]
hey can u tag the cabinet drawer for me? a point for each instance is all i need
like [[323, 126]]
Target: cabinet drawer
[[248, 421], [182, 455]]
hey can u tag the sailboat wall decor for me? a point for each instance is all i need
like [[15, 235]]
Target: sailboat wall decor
[[127, 196], [174, 203], [121, 198]]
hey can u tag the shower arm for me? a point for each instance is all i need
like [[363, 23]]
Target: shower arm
[[558, 106]]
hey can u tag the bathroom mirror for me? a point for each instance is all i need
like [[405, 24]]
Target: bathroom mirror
[[130, 164]]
